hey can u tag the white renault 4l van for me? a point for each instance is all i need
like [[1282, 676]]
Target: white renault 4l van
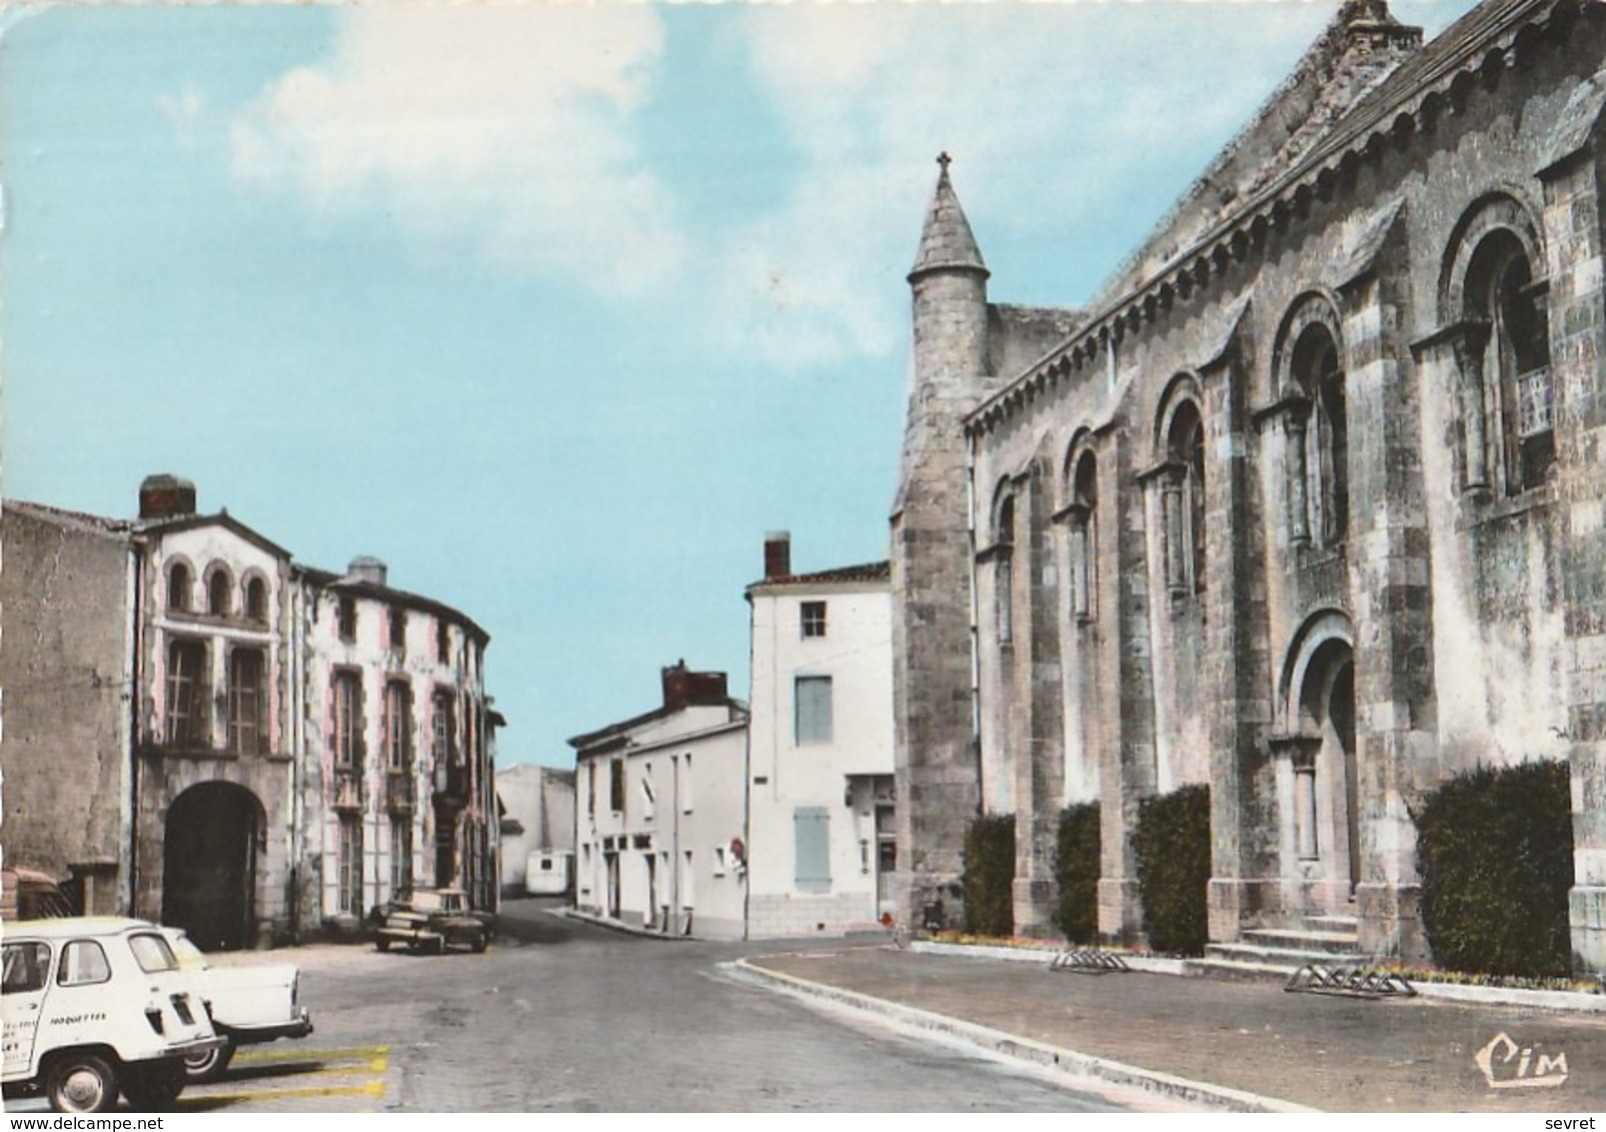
[[94, 1007]]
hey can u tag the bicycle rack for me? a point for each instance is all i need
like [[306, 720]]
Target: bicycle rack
[[1087, 962], [1355, 982]]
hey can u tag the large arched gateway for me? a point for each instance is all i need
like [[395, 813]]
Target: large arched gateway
[[213, 834]]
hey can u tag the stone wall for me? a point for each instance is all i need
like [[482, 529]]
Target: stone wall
[[65, 668]]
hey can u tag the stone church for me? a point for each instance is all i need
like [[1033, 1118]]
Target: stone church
[[1305, 504]]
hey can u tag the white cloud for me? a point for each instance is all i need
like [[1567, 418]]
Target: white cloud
[[510, 124], [183, 110], [1049, 110]]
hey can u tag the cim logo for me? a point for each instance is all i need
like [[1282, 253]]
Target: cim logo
[[1506, 1065]]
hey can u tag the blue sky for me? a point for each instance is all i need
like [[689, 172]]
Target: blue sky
[[557, 309]]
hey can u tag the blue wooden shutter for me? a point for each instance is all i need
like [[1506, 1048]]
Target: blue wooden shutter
[[812, 828]]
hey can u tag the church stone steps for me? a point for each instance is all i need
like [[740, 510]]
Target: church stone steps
[[1326, 941], [1333, 943]]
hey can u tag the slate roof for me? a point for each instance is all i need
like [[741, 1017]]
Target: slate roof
[[864, 572], [946, 240]]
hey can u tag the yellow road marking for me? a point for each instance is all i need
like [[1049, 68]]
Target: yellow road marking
[[359, 1052], [345, 1068], [371, 1089]]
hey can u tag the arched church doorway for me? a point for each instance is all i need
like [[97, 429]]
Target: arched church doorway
[[1328, 793], [209, 865]]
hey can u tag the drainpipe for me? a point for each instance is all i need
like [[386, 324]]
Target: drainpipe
[[128, 888], [294, 738], [674, 837], [975, 642]]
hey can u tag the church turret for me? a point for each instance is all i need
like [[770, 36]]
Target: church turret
[[937, 771]]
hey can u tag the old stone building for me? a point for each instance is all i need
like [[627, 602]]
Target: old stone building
[[203, 732], [1305, 504]]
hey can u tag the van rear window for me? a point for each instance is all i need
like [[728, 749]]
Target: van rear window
[[152, 953]]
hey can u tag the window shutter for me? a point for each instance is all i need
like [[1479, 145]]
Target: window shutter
[[811, 827]]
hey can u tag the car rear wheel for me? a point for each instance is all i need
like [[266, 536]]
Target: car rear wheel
[[478, 943], [81, 1082], [209, 1065], [382, 944], [155, 1086]]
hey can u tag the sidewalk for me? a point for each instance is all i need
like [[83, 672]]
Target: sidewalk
[[1225, 1044]]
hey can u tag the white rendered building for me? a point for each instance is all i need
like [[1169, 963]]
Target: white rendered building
[[820, 748], [659, 818]]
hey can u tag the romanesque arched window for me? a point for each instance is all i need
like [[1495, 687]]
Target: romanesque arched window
[[178, 587], [1185, 500], [219, 591], [1083, 510], [1318, 373], [1501, 292], [256, 599], [1497, 308], [1003, 574]]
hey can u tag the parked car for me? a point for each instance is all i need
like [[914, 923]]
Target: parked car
[[27, 894], [94, 1007], [431, 919], [248, 1005]]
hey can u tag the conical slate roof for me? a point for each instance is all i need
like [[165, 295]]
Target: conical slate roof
[[946, 241]]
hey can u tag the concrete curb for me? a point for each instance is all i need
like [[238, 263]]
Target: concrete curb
[[616, 926], [1066, 1061], [1575, 1002], [1150, 964]]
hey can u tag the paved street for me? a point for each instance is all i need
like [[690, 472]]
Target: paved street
[[560, 1015]]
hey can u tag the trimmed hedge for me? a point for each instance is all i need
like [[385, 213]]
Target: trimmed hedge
[[1172, 843], [1495, 849], [1076, 873], [990, 875]]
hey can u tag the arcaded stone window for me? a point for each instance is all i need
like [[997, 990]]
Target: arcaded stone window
[[256, 600], [1083, 513], [219, 589], [1321, 509], [1003, 572], [1497, 310], [1501, 291], [1185, 502], [247, 701], [178, 588]]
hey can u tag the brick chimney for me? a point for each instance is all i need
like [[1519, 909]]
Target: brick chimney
[[166, 497], [777, 555], [684, 688]]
